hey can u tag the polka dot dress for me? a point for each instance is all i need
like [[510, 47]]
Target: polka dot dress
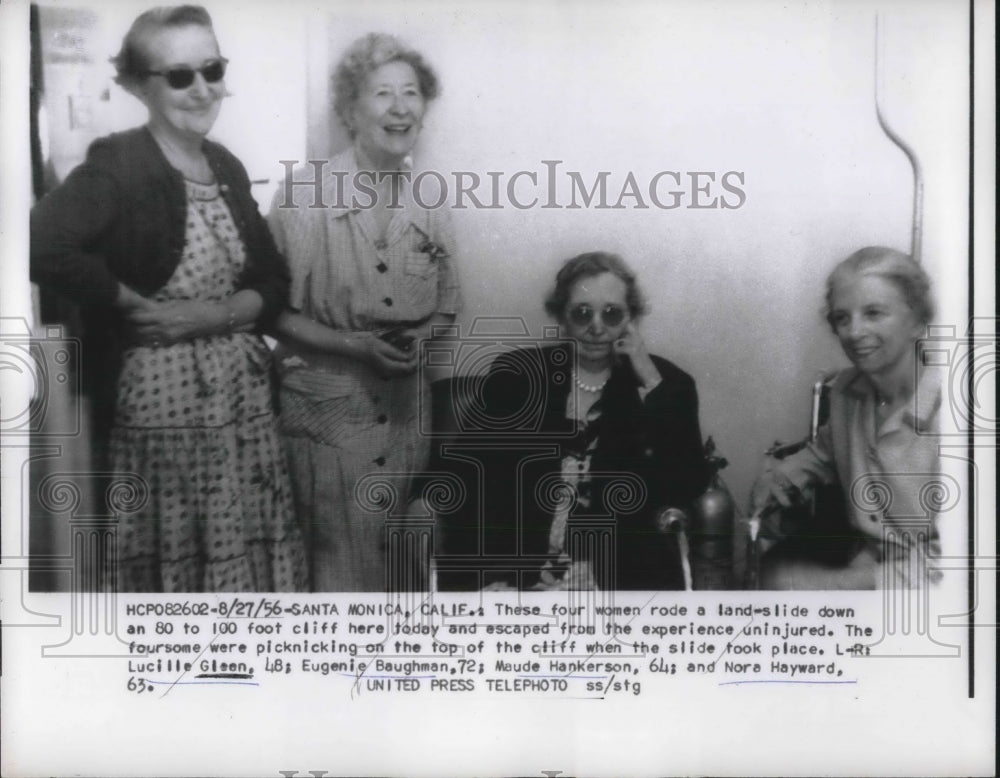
[[195, 420]]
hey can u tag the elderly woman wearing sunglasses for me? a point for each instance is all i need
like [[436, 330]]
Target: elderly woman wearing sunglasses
[[157, 236], [614, 432]]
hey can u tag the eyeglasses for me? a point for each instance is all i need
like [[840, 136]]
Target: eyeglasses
[[181, 77], [582, 315]]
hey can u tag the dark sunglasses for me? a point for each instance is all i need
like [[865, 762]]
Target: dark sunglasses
[[182, 77], [582, 315]]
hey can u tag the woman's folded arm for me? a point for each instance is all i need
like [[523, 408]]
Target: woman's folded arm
[[66, 228]]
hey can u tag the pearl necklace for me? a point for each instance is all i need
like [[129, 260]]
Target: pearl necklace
[[588, 387]]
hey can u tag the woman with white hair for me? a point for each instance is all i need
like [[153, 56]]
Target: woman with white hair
[[372, 273], [878, 444]]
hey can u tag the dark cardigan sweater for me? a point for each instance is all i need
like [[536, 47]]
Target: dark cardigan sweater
[[656, 441], [121, 216]]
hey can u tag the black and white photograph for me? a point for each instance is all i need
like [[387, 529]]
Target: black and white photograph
[[584, 381]]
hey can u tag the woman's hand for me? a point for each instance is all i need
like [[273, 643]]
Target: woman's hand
[[402, 357], [632, 346], [773, 489], [129, 300], [384, 358], [388, 360], [163, 324]]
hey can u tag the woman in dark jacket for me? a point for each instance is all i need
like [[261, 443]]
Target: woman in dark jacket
[[157, 236], [609, 439]]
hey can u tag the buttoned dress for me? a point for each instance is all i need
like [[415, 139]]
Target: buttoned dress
[[354, 439], [889, 472]]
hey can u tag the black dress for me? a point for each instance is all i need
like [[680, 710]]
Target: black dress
[[645, 454]]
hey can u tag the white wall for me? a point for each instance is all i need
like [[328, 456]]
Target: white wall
[[780, 91]]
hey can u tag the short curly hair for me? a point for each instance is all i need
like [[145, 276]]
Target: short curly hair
[[588, 265], [132, 61], [892, 265], [366, 55]]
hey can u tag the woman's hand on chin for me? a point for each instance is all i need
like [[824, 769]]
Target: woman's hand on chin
[[632, 345]]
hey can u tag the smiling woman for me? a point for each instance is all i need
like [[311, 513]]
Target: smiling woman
[[157, 236], [879, 443], [386, 117], [368, 283], [183, 99], [878, 305]]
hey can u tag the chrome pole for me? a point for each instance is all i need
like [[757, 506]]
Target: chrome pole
[[918, 178]]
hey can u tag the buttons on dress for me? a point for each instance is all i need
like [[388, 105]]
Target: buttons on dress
[[380, 244], [380, 461], [873, 516], [382, 419], [387, 301], [381, 267]]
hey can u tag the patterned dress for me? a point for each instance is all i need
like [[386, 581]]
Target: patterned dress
[[195, 420], [354, 440], [560, 570]]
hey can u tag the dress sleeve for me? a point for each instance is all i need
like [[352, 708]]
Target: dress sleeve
[[297, 243], [812, 465], [449, 288], [67, 226], [807, 468], [669, 418]]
